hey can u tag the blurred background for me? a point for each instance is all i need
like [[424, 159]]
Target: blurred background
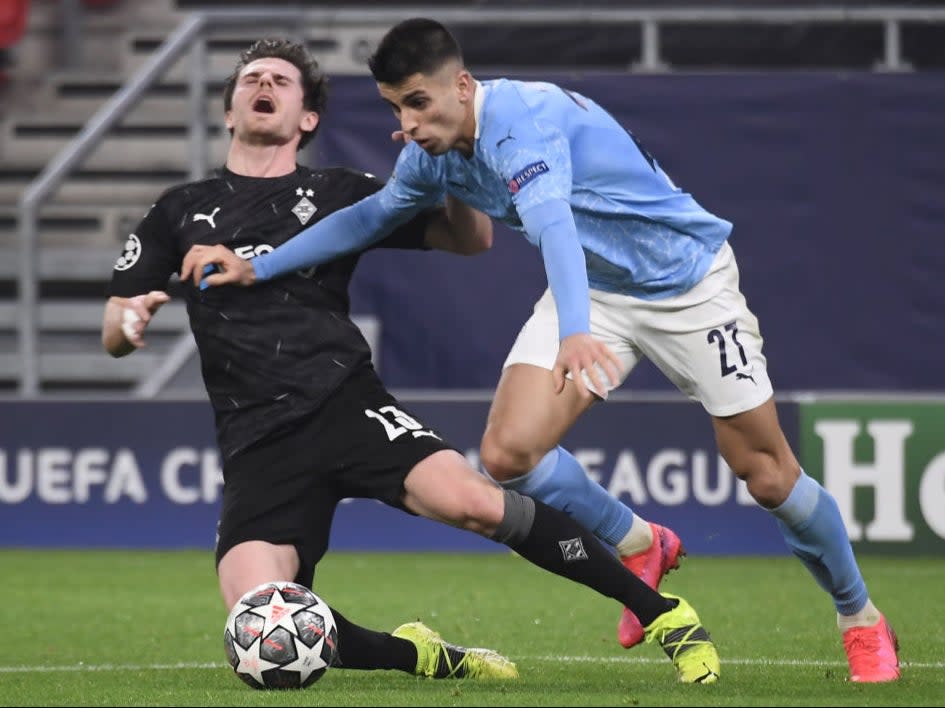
[[815, 127]]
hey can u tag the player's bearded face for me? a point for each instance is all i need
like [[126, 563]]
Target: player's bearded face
[[267, 104], [434, 110]]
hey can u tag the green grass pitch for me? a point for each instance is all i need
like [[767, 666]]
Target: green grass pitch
[[145, 628]]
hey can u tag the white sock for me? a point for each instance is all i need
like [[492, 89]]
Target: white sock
[[867, 617], [638, 538]]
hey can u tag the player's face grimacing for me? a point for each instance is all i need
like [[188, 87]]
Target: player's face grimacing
[[435, 110], [268, 104]]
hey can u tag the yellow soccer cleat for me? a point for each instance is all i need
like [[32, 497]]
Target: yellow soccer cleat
[[686, 643], [439, 659]]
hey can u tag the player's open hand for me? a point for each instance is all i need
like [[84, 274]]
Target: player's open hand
[[583, 354], [136, 313], [211, 266]]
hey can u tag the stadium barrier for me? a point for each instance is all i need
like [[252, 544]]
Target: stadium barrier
[[147, 474]]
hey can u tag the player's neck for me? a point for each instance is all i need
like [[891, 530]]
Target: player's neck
[[261, 160], [466, 144]]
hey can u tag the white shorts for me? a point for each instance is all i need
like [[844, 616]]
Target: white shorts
[[706, 341]]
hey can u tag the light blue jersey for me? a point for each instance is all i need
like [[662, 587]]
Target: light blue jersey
[[556, 166], [535, 143]]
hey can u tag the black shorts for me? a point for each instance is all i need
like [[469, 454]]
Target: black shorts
[[361, 443]]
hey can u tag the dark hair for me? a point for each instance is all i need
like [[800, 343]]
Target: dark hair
[[415, 46], [314, 82]]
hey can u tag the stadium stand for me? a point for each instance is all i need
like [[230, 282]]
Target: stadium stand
[[83, 222]]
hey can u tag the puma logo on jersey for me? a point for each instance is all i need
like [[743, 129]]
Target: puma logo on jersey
[[507, 137], [207, 217], [739, 376]]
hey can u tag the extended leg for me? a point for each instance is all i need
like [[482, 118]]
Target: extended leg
[[755, 448]]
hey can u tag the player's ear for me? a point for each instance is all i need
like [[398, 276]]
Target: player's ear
[[465, 85], [228, 120], [309, 121]]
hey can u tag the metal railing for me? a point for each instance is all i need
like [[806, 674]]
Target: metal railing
[[191, 36]]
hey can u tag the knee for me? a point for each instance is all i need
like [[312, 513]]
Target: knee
[[506, 456], [768, 479], [481, 509]]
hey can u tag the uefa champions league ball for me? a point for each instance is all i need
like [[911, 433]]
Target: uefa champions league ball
[[280, 635]]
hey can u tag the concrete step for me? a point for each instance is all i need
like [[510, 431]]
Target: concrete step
[[123, 187], [83, 226], [78, 107], [83, 264], [73, 225], [73, 97], [80, 315], [39, 51], [149, 121], [149, 148], [96, 369], [155, 134], [103, 84]]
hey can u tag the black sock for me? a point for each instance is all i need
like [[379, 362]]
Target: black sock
[[362, 648], [557, 543]]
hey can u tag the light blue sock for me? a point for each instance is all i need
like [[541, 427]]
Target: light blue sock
[[559, 481], [811, 524]]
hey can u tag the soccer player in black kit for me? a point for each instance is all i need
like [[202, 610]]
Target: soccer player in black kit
[[302, 418]]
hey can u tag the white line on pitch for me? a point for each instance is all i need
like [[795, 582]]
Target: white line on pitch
[[556, 659]]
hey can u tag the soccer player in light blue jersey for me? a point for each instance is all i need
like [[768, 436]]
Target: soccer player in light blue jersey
[[635, 267]]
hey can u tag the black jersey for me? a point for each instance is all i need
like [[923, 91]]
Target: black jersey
[[271, 353]]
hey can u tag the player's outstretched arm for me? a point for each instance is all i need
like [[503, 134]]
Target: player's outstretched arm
[[347, 230]]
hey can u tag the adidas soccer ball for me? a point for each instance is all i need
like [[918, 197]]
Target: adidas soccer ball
[[280, 635]]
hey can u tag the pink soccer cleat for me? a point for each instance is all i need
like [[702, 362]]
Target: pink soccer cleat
[[871, 653], [650, 566]]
